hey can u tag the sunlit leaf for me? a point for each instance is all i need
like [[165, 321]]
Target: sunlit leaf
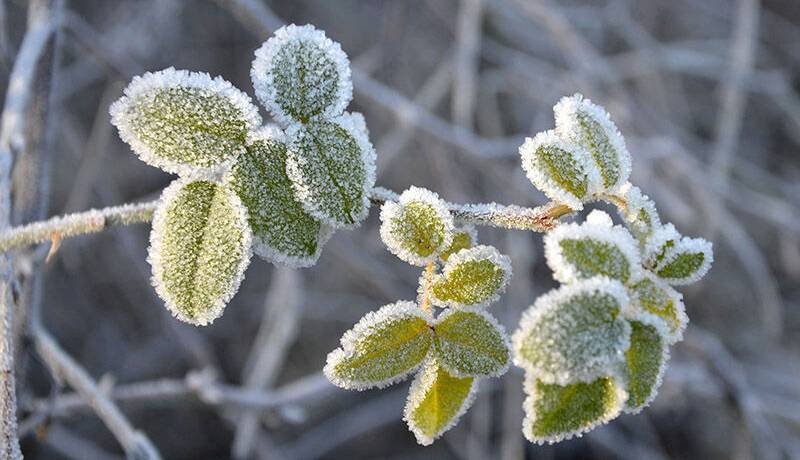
[[199, 248], [471, 343], [472, 276], [332, 168], [184, 122], [417, 227], [580, 251], [574, 333], [563, 171], [283, 232], [436, 401], [555, 413], [301, 75], [382, 348], [646, 361], [580, 121], [656, 297]]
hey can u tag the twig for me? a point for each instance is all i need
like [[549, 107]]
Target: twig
[[538, 219], [465, 62]]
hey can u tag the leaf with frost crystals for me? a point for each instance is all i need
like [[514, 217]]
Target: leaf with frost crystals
[[472, 276], [639, 213], [563, 171], [463, 238], [580, 121], [645, 363], [593, 248], [686, 262], [301, 75], [283, 232], [436, 400], [655, 297], [575, 333], [184, 122], [199, 248], [418, 227], [382, 348], [331, 165], [471, 343], [659, 244], [554, 413]]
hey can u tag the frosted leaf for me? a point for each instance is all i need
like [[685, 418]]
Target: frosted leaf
[[283, 233], [472, 276], [199, 249], [659, 244], [640, 212], [471, 343], [575, 333], [417, 227], [554, 413], [300, 75], [382, 348], [184, 122], [436, 400], [463, 237], [653, 296], [686, 262], [645, 363], [580, 251], [331, 165], [580, 121], [563, 171]]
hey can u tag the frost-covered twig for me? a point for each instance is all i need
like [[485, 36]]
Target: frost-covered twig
[[82, 223], [58, 228]]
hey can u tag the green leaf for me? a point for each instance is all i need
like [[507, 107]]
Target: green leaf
[[463, 238], [417, 227], [300, 75], [590, 249], [184, 122], [382, 348], [283, 232], [563, 171], [472, 276], [471, 343], [436, 401], [580, 121], [639, 212], [555, 413], [686, 262], [574, 333], [645, 360], [657, 298], [199, 249], [332, 168]]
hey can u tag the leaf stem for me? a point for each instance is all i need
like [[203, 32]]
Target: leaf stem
[[425, 304]]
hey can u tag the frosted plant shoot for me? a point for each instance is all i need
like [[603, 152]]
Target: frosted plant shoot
[[591, 349]]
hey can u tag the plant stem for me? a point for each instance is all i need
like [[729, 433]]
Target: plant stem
[[540, 219], [425, 304]]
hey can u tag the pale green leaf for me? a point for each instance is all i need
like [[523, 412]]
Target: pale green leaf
[[580, 121], [463, 238], [184, 122], [283, 232], [199, 248], [436, 400], [417, 227], [472, 276], [382, 348], [555, 413], [686, 262], [639, 212], [645, 360], [471, 343], [657, 298], [563, 171], [332, 168], [301, 75], [574, 333]]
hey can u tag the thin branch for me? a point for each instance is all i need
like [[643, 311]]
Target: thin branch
[[539, 219], [465, 75]]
